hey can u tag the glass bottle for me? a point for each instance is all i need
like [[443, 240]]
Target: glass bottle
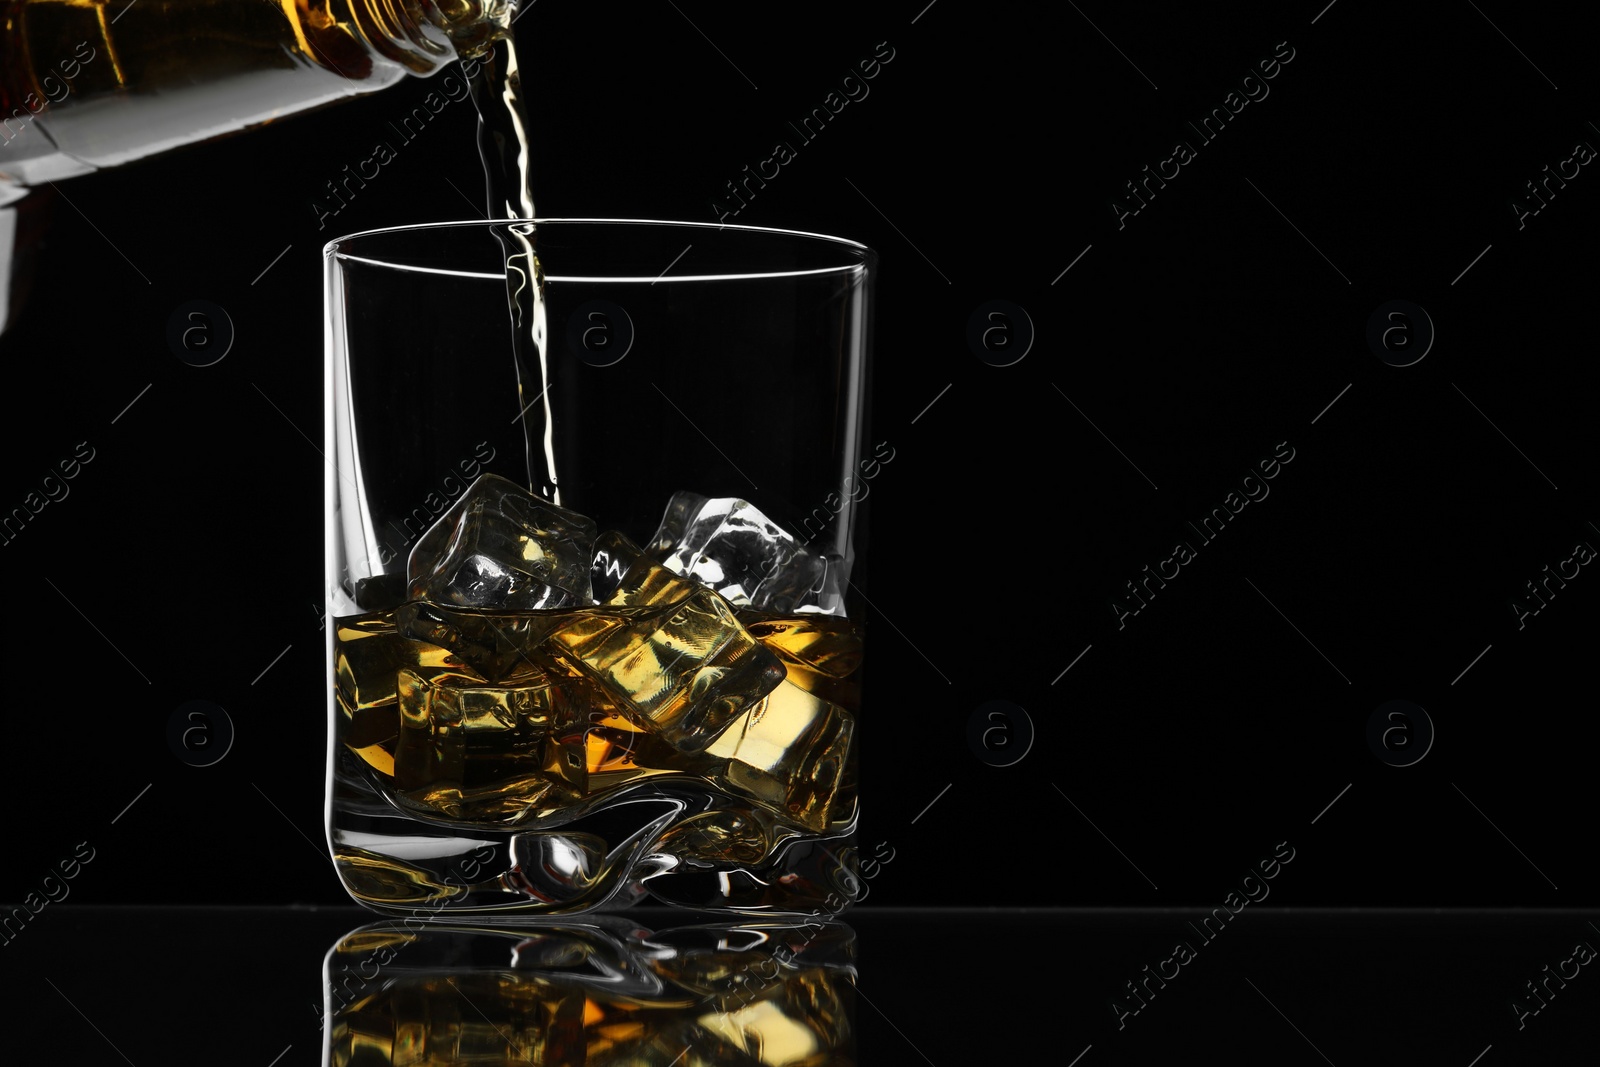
[[89, 84]]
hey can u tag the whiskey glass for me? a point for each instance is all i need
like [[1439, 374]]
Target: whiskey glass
[[595, 635]]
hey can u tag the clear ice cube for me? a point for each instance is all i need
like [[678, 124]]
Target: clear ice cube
[[500, 546], [728, 545]]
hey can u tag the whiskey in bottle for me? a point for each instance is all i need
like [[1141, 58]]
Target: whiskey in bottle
[[88, 84]]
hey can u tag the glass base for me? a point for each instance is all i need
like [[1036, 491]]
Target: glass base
[[676, 841]]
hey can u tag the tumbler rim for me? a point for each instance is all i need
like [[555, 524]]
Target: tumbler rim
[[331, 250]]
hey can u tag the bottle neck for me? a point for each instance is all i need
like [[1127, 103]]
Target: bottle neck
[[424, 35]]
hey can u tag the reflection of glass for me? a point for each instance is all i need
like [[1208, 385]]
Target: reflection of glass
[[642, 675], [603, 992]]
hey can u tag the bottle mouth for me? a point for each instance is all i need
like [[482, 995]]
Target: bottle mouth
[[424, 35], [473, 25]]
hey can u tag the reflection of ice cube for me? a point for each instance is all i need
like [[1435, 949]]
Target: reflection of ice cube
[[500, 546], [730, 546]]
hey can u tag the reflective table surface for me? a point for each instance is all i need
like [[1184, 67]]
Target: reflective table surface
[[261, 986]]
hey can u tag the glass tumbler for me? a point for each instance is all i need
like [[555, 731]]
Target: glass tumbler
[[594, 627]]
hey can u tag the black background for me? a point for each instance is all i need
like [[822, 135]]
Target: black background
[[1178, 351]]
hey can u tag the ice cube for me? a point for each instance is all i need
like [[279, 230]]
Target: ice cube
[[680, 662], [622, 742], [369, 652], [822, 653], [503, 646], [789, 751], [472, 750], [368, 655], [500, 546], [728, 545]]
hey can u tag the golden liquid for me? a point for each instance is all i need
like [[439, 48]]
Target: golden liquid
[[505, 147], [536, 711]]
